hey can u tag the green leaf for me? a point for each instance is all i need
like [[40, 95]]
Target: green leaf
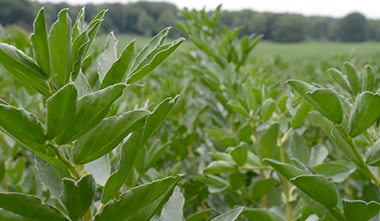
[[149, 50], [237, 180], [60, 111], [327, 102], [79, 24], [369, 78], [239, 154], [337, 171], [217, 167], [300, 115], [230, 215], [287, 170], [373, 155], [150, 196], [261, 187], [82, 85], [323, 213], [336, 135], [318, 154], [302, 88], [51, 176], [319, 188], [78, 196], [238, 108], [108, 57], [199, 215], [100, 169], [297, 148], [61, 49], [267, 109], [39, 41], [267, 144], [340, 79], [245, 132], [107, 135], [262, 214], [155, 62], [91, 109], [30, 207], [119, 68], [9, 216], [357, 210], [172, 210], [353, 77], [132, 146], [365, 112], [24, 68]]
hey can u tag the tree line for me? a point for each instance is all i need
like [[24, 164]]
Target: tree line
[[148, 18]]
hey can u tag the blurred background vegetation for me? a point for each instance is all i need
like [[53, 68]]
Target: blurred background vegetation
[[148, 18]]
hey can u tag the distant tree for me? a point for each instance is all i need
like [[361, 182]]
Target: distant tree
[[168, 18], [333, 30], [259, 23], [288, 28], [19, 12], [373, 30], [352, 28], [145, 24], [319, 27]]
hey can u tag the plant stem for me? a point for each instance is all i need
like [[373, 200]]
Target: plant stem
[[65, 161], [5, 183], [336, 214], [192, 158], [265, 197], [284, 180]]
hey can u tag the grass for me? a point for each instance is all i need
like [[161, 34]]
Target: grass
[[293, 53]]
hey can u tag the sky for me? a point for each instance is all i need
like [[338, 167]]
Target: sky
[[333, 8]]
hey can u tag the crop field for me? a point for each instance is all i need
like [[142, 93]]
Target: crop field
[[214, 127]]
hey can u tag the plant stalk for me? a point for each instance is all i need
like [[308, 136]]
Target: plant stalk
[[285, 181], [192, 158], [5, 184], [65, 161], [265, 197]]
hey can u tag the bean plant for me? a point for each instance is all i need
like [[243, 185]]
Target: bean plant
[[73, 130]]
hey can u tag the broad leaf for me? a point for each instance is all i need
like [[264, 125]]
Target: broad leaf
[[100, 169], [296, 147], [261, 187], [91, 109], [300, 115], [199, 215], [30, 207], [39, 40], [132, 147], [61, 49], [79, 24], [353, 77], [340, 79], [337, 171], [155, 62], [287, 170], [267, 144], [357, 210], [327, 102], [82, 85], [319, 188], [150, 196], [364, 113], [107, 135], [172, 210], [78, 196], [24, 68], [369, 78], [117, 72], [108, 57], [262, 214], [230, 215], [217, 167], [9, 216], [373, 155], [239, 154], [267, 109], [51, 176], [337, 137], [61, 108]]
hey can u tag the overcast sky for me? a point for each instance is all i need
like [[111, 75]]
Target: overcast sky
[[333, 8]]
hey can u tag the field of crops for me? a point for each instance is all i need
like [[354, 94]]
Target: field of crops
[[209, 128]]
